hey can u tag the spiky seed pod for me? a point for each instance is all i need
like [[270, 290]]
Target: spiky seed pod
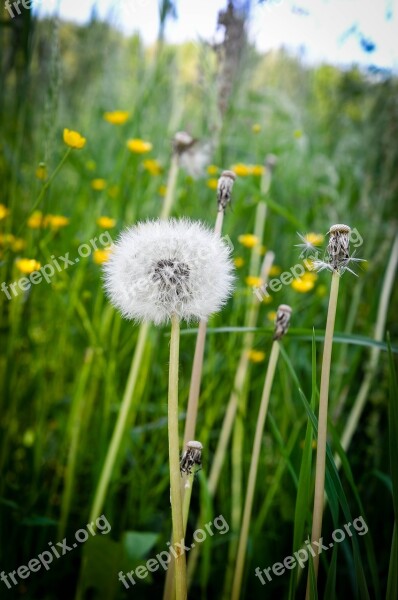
[[339, 246], [224, 189], [282, 321], [158, 269], [192, 457]]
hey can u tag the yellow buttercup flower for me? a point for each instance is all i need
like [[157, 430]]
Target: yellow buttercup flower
[[6, 239], [41, 172], [18, 244], [152, 166], [321, 291], [256, 128], [256, 356], [91, 165], [98, 184], [254, 281], [35, 220], [139, 146], [267, 299], [113, 191], [212, 170], [315, 239], [275, 271], [106, 222], [257, 169], [271, 315], [212, 183], [241, 169], [101, 256], [3, 211], [55, 221], [162, 191], [248, 240], [116, 117], [297, 133], [239, 262], [73, 139], [305, 283], [27, 265]]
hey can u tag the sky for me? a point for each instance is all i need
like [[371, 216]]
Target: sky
[[364, 32]]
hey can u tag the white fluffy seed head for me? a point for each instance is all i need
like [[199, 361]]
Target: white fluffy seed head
[[160, 268]]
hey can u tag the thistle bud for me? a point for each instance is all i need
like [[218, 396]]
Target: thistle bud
[[282, 321]]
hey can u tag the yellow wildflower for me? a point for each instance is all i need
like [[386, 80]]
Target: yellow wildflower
[[254, 281], [152, 166], [305, 283], [239, 262], [55, 221], [91, 165], [27, 265], [212, 183], [101, 256], [35, 220], [267, 299], [113, 191], [18, 244], [261, 250], [116, 117], [256, 128], [315, 239], [275, 271], [106, 222], [271, 315], [241, 169], [257, 169], [248, 240], [321, 291], [212, 170], [297, 133], [98, 184], [3, 211], [6, 239], [162, 191], [73, 139], [139, 146], [41, 172], [256, 356]]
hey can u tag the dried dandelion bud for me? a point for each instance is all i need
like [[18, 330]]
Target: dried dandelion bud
[[282, 321], [271, 161], [182, 141], [192, 457], [224, 189], [339, 246]]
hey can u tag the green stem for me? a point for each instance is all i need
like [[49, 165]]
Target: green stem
[[322, 424], [171, 187], [44, 189], [174, 460], [244, 532], [120, 425]]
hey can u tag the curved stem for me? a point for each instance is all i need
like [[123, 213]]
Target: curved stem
[[120, 425], [322, 424], [174, 460], [262, 414]]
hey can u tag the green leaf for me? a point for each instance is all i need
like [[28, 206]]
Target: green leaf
[[137, 544]]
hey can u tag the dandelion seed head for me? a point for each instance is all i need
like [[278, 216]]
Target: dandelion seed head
[[191, 457], [160, 268]]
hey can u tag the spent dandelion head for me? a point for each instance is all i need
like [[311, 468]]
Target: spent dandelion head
[[337, 257], [224, 189], [191, 458], [282, 321], [158, 269]]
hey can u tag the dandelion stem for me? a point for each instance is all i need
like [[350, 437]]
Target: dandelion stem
[[120, 425], [322, 424], [171, 187], [262, 414], [174, 459]]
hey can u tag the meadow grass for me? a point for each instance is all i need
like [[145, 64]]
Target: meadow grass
[[66, 354]]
